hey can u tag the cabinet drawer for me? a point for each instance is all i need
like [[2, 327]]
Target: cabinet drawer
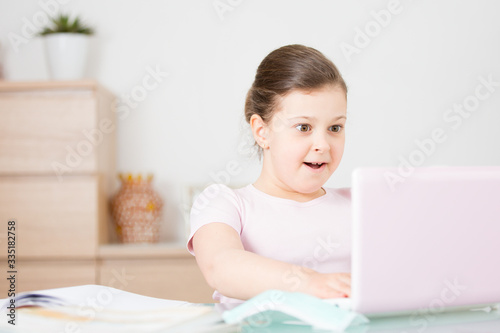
[[46, 132], [176, 278], [53, 219], [38, 275]]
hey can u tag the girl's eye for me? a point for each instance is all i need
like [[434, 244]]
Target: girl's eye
[[336, 128], [303, 127]]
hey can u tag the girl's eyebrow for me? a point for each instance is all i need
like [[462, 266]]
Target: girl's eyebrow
[[314, 118]]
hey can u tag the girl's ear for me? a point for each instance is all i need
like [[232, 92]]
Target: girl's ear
[[260, 131]]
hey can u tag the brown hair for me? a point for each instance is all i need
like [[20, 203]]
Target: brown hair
[[291, 67]]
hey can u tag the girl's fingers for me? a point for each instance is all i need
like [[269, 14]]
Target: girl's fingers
[[331, 285], [341, 283], [345, 278]]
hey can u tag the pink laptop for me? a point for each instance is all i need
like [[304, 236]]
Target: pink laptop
[[425, 241]]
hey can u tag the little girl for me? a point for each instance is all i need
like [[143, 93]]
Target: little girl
[[285, 231]]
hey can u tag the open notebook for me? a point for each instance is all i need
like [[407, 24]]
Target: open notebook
[[93, 308]]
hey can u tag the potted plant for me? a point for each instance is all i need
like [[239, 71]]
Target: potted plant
[[66, 45]]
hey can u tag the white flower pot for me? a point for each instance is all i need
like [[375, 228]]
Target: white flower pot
[[66, 55]]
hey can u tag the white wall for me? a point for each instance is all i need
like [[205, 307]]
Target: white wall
[[402, 84]]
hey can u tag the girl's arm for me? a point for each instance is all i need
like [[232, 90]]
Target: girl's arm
[[240, 274]]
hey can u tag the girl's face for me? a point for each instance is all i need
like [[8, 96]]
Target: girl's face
[[304, 140]]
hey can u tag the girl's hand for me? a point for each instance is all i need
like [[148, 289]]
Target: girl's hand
[[331, 285]]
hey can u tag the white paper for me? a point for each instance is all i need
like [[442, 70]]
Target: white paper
[[93, 308]]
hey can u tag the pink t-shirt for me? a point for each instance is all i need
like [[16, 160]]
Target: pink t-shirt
[[314, 234]]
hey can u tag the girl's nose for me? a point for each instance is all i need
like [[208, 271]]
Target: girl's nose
[[320, 143]]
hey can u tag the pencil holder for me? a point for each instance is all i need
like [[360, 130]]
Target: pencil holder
[[136, 210]]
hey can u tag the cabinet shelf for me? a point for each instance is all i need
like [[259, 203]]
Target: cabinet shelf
[[31, 86], [137, 251]]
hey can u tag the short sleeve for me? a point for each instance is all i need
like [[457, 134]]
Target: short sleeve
[[217, 203]]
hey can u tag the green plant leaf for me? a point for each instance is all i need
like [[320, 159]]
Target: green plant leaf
[[63, 23]]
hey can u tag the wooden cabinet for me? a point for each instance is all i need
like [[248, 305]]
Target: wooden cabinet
[[56, 129], [160, 270], [57, 147], [53, 219], [57, 174], [37, 274]]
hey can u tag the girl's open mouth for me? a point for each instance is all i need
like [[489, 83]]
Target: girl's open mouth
[[314, 166]]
